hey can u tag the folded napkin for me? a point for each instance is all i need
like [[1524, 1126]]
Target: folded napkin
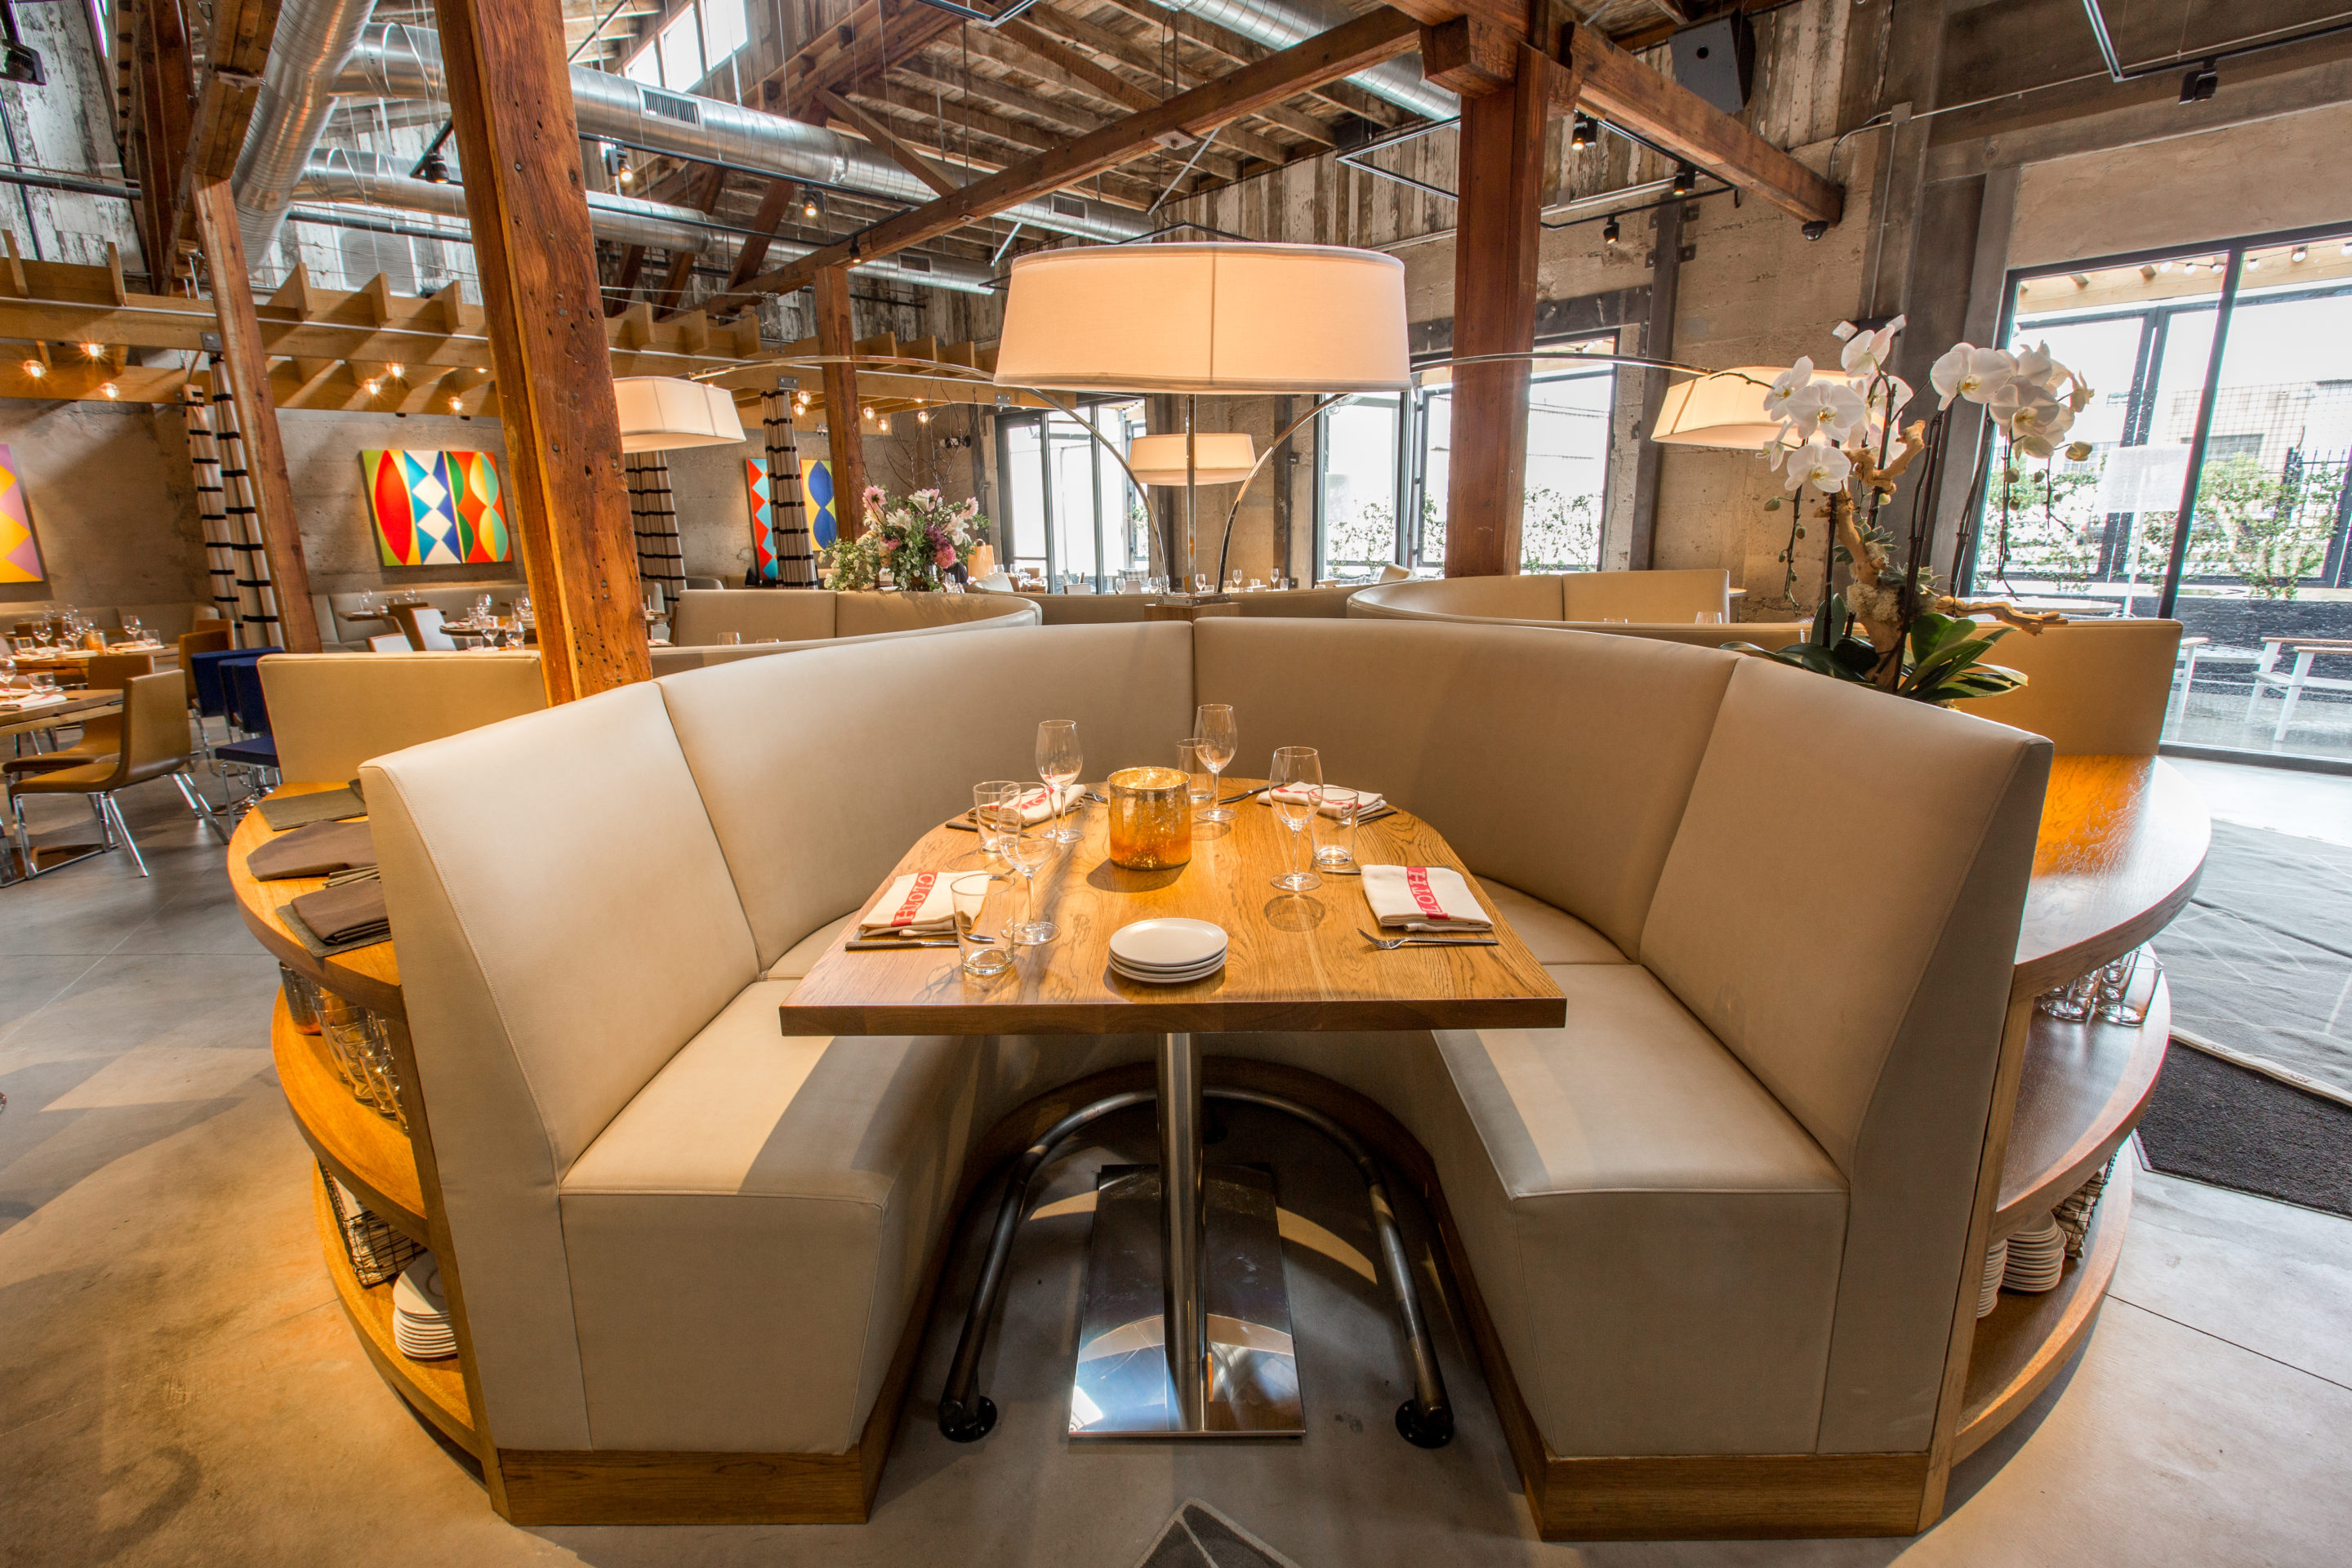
[[914, 905], [284, 811], [1038, 803], [335, 919], [23, 704], [1424, 898], [1335, 798], [313, 851]]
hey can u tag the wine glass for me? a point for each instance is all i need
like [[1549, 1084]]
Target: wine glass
[[43, 634], [1059, 760], [1297, 790], [131, 629], [1027, 849], [985, 799], [1212, 723]]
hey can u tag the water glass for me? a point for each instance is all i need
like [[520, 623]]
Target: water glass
[[1299, 771], [1059, 762], [1200, 778], [1212, 723], [986, 798], [2070, 1003], [1338, 853], [2114, 982], [983, 955], [1707, 618], [730, 639], [343, 1026]]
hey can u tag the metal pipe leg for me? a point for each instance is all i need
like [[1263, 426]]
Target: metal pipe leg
[[1183, 1237], [114, 810], [965, 1414], [199, 805], [1426, 1420]]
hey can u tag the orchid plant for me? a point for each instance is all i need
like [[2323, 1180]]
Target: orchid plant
[[1840, 438], [909, 543]]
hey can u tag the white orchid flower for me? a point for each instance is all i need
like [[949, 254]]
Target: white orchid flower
[[1820, 464], [2033, 419], [1866, 353], [2035, 366], [1785, 385], [1974, 373], [1777, 449], [1830, 409], [1889, 399]]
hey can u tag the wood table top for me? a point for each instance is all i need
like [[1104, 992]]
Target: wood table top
[[367, 975], [1296, 960], [2123, 841], [72, 710]]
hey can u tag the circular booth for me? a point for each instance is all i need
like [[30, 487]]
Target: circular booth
[[1684, 606], [1717, 1230]]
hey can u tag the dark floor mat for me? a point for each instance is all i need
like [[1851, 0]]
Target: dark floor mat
[[1198, 1536], [2213, 1121]]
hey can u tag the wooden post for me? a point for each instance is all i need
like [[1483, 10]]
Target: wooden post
[[1501, 179], [247, 363], [526, 201], [848, 443]]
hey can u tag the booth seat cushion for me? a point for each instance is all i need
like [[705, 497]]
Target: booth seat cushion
[[749, 1236], [802, 954], [1553, 935], [1657, 1240]]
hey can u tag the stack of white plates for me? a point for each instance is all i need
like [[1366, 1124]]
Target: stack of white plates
[[1996, 1262], [1168, 951], [420, 1312], [2036, 1258]]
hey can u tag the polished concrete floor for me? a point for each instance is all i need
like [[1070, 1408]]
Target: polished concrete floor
[[178, 1385]]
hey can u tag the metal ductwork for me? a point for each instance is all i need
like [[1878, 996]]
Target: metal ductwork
[[399, 61], [297, 94], [1279, 24], [365, 180]]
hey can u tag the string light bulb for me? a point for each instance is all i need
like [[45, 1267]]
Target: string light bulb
[[370, 387], [1586, 131], [456, 403], [867, 412], [35, 369], [2300, 253], [923, 416], [94, 350], [398, 372], [111, 391], [1611, 232]]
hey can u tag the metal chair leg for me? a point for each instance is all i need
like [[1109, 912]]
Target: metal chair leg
[[200, 806], [114, 810]]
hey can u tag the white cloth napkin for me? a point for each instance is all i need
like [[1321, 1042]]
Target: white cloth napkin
[[1038, 803], [1335, 798], [1424, 898], [915, 905], [19, 704]]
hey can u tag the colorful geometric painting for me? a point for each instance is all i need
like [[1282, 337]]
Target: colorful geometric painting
[[816, 485], [763, 538], [20, 558], [436, 508]]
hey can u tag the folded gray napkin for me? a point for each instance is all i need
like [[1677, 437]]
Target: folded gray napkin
[[335, 919], [284, 811], [318, 850]]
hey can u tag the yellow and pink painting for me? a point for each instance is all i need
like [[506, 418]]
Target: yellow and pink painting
[[436, 508], [20, 557]]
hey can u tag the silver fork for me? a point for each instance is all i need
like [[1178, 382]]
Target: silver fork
[[1391, 943]]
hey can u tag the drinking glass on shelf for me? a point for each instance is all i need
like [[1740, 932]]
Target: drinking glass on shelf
[[1059, 760], [1297, 790], [983, 955], [2070, 1003], [1707, 618], [1027, 850], [1212, 723], [986, 798], [1200, 778], [2113, 992]]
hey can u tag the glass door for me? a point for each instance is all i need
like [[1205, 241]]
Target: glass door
[[1066, 508]]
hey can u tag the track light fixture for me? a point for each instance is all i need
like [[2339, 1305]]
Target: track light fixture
[[2201, 83], [1685, 179], [434, 170], [1611, 232], [1584, 132], [370, 387], [812, 203]]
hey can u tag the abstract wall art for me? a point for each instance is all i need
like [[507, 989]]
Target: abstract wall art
[[437, 509], [20, 557], [817, 489]]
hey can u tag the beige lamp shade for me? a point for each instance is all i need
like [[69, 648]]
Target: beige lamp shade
[[663, 413], [1205, 318], [1727, 409], [1218, 458]]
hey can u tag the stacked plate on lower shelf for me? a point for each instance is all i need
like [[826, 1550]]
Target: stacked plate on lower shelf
[[420, 1312], [2037, 1257], [1168, 951], [1996, 1267]]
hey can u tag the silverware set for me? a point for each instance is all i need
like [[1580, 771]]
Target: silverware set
[[1391, 943]]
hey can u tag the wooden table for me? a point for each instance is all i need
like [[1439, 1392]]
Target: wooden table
[[1295, 961]]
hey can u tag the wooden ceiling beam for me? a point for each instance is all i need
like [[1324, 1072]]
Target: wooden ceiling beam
[[871, 127], [862, 45], [1022, 141], [1024, 48], [1131, 53], [1211, 38], [1367, 40], [1065, 120]]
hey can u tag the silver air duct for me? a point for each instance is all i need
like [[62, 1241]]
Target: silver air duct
[[297, 94], [365, 180], [399, 61], [1279, 24]]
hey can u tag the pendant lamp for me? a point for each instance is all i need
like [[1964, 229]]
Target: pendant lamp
[[665, 413]]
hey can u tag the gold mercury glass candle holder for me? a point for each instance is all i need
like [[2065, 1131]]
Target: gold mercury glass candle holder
[[1151, 819]]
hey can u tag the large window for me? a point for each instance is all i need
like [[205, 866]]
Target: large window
[[1065, 507], [694, 41], [2251, 432], [1375, 453]]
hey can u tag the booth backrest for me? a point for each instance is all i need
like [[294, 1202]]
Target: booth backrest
[[571, 923], [1079, 609], [452, 602], [1518, 597], [1669, 598], [2094, 687], [331, 711], [871, 614], [676, 660], [788, 614], [1654, 596], [871, 748], [1285, 604]]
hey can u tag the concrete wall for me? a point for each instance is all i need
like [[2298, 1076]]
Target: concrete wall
[[112, 505], [338, 540]]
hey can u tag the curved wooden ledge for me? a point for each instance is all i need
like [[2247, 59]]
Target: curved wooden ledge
[[368, 1153], [436, 1388], [2084, 1089], [367, 975], [2026, 1340], [2122, 843]]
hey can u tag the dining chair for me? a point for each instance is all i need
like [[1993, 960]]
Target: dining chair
[[422, 626], [102, 736], [390, 642], [249, 710], [154, 744]]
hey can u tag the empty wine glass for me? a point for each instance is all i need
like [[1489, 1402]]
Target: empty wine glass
[[1298, 794], [43, 633], [985, 799], [1212, 724], [1059, 760], [131, 629], [1027, 850]]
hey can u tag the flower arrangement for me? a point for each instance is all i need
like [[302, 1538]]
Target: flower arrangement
[[912, 541], [1839, 437]]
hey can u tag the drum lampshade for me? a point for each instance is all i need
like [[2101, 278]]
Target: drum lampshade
[[663, 413], [1219, 459], [1725, 409]]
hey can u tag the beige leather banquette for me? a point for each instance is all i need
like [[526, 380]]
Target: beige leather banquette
[[1659, 605], [703, 616], [331, 711], [1126, 609], [342, 628], [1722, 1212], [2095, 688]]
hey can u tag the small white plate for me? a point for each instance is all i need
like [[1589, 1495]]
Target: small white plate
[[1166, 943]]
